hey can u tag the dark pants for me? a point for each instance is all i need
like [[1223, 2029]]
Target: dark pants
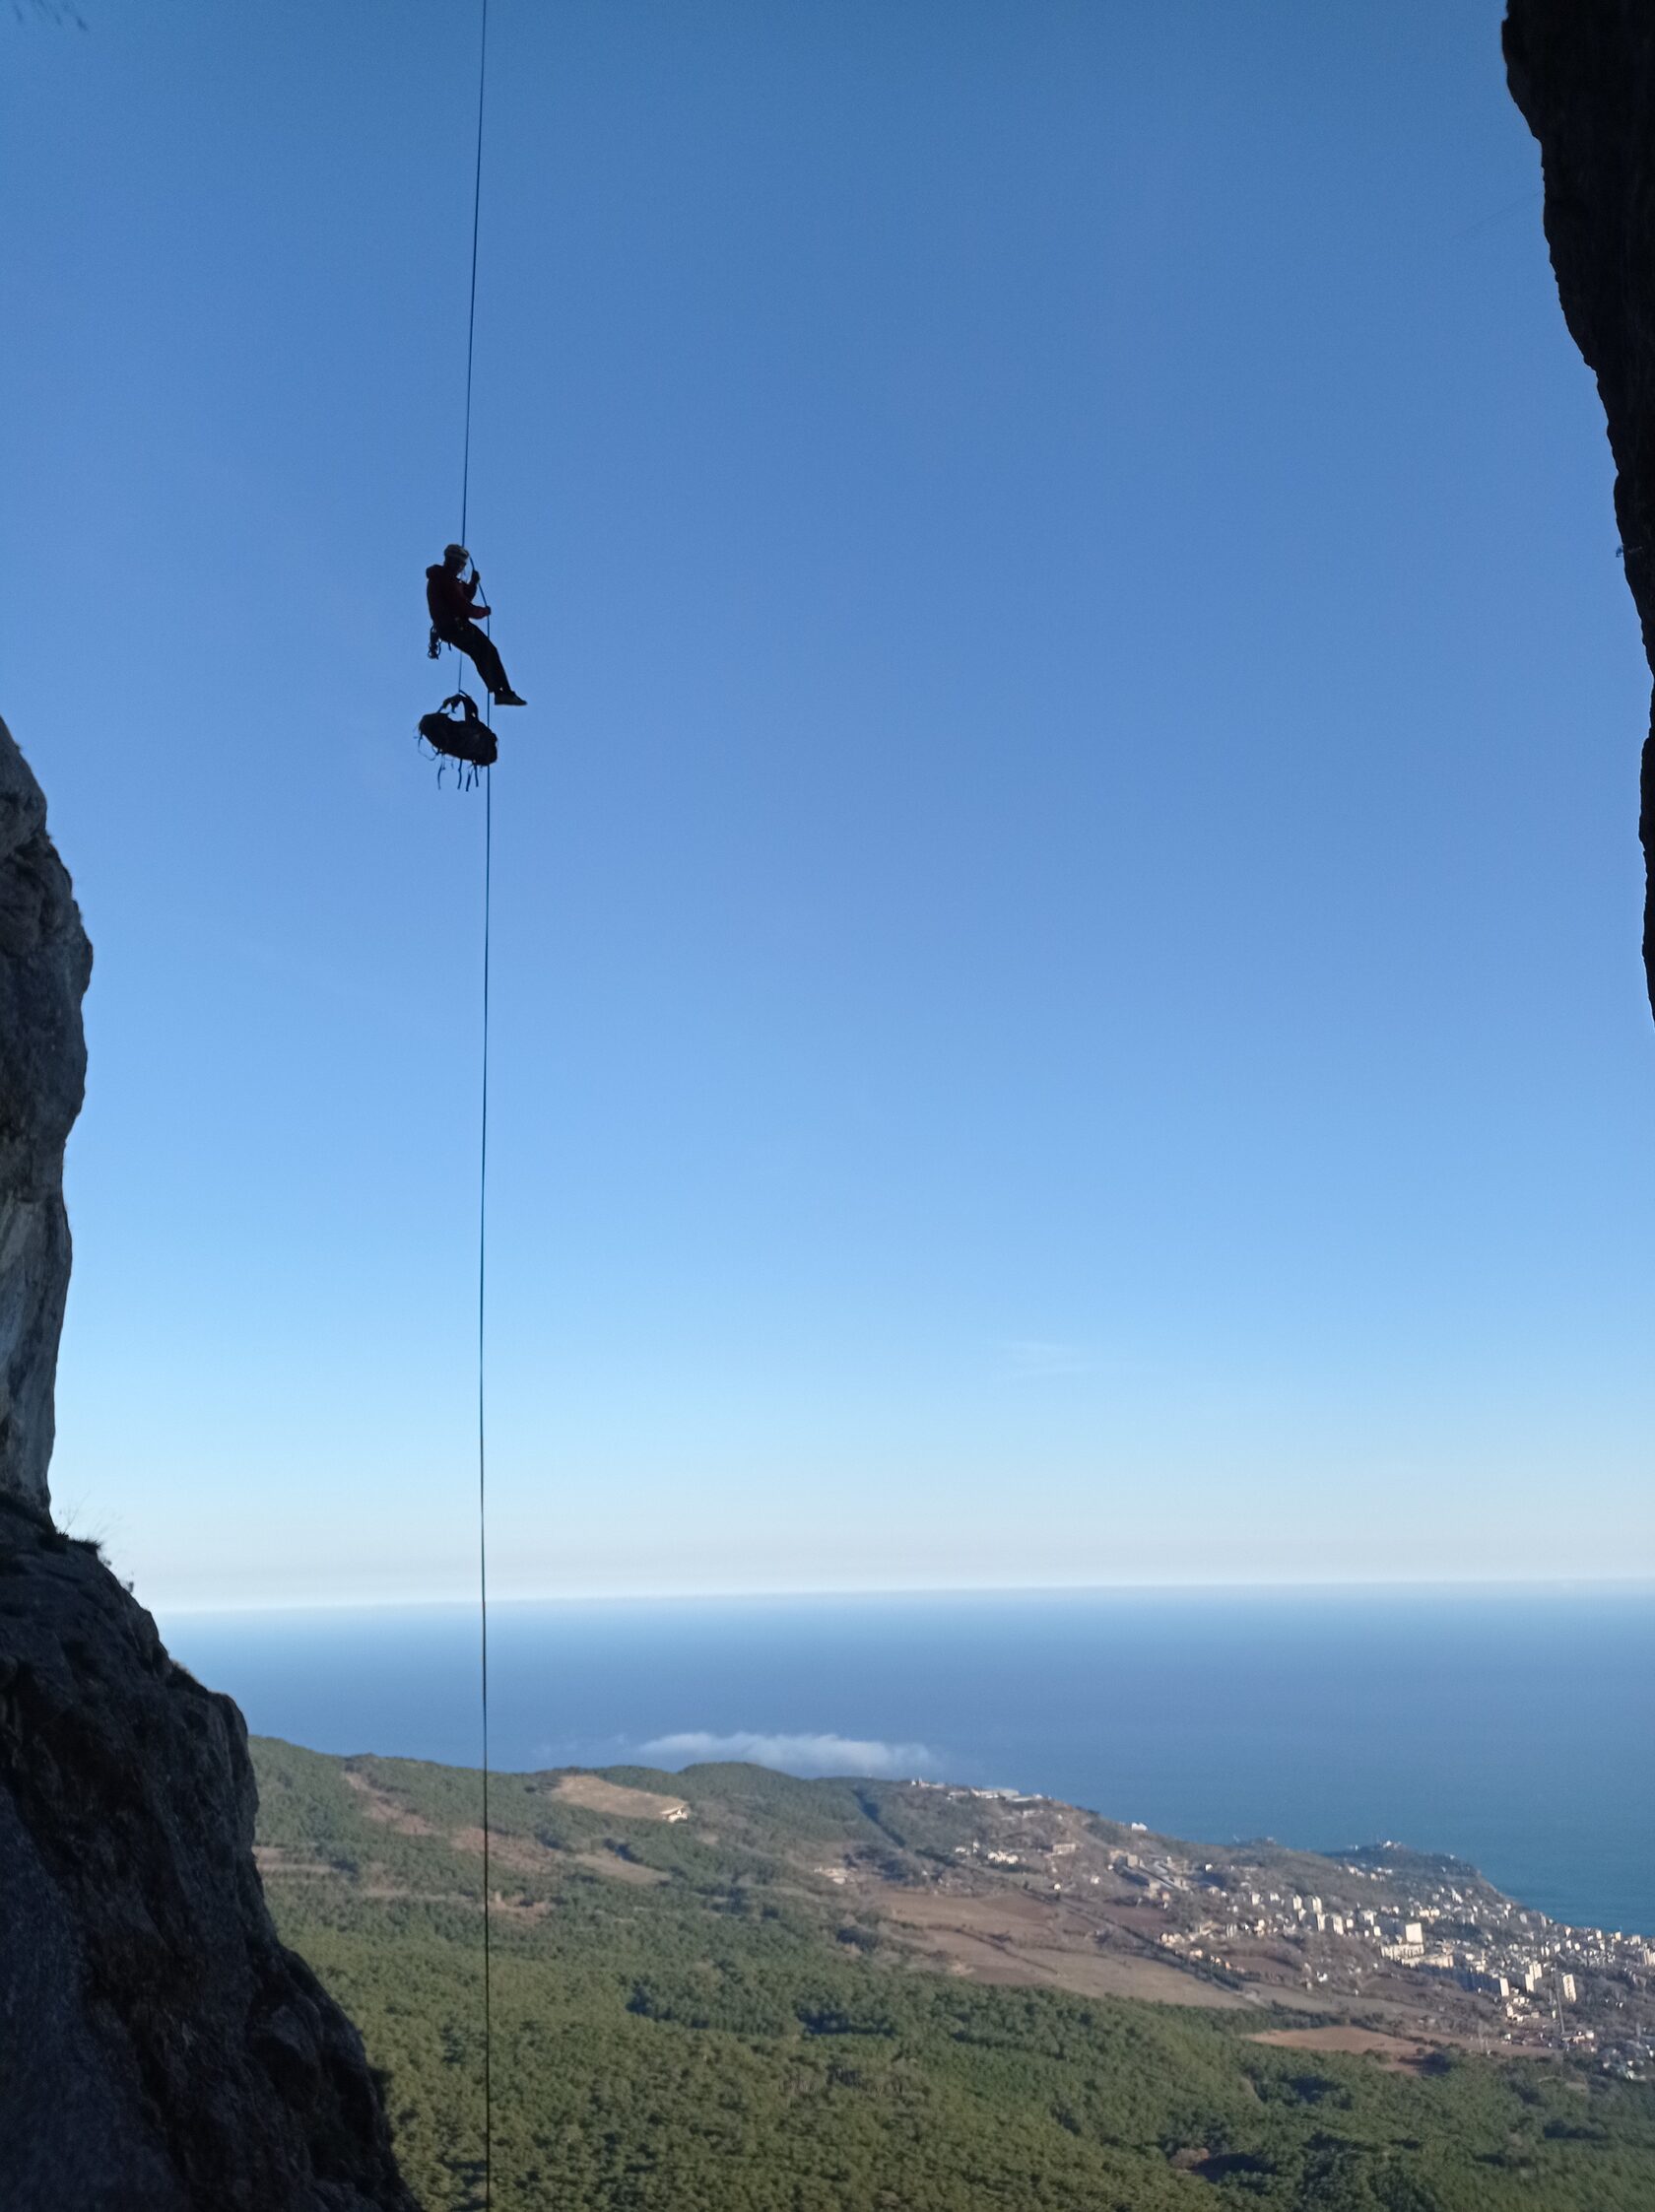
[[470, 639]]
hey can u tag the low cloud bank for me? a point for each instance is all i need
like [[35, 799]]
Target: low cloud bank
[[796, 1755]]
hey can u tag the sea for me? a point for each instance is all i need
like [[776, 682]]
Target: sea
[[1513, 1728]]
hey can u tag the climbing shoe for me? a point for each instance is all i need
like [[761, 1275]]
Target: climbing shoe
[[509, 698]]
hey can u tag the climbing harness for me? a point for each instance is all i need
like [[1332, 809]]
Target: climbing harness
[[435, 642]]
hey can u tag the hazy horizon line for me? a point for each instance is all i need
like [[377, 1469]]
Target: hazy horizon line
[[1434, 1586]]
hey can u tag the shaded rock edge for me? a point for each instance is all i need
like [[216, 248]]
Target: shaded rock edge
[[45, 963], [1583, 74], [160, 2050]]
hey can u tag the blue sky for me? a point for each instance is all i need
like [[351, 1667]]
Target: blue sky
[[1066, 904]]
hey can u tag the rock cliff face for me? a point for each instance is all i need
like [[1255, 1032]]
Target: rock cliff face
[[1583, 74], [45, 963], [159, 2050]]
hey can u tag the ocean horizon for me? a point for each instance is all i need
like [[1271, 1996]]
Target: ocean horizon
[[1510, 1726]]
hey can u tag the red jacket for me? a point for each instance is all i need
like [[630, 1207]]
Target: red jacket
[[449, 597]]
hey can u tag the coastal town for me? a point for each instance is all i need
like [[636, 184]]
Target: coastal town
[[1408, 1940]]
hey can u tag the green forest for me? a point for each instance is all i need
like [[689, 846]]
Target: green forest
[[685, 2015]]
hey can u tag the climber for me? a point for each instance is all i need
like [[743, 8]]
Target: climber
[[452, 600]]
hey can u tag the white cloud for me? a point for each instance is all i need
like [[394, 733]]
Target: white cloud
[[796, 1755]]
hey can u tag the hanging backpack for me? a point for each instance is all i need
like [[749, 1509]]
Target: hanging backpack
[[463, 737]]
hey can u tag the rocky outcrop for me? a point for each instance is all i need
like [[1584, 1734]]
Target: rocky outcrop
[[1583, 74], [160, 2050], [45, 963]]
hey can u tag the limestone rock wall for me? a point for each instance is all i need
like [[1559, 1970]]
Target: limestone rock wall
[[160, 2050], [44, 964], [1583, 74]]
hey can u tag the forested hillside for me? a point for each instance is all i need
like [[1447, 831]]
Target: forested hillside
[[693, 2010]]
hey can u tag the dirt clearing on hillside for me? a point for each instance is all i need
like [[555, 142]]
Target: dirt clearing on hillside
[[1399, 2055], [1016, 1940], [616, 1799], [380, 1804]]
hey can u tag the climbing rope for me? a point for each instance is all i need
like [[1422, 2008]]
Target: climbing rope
[[471, 318], [483, 1491], [482, 1206]]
